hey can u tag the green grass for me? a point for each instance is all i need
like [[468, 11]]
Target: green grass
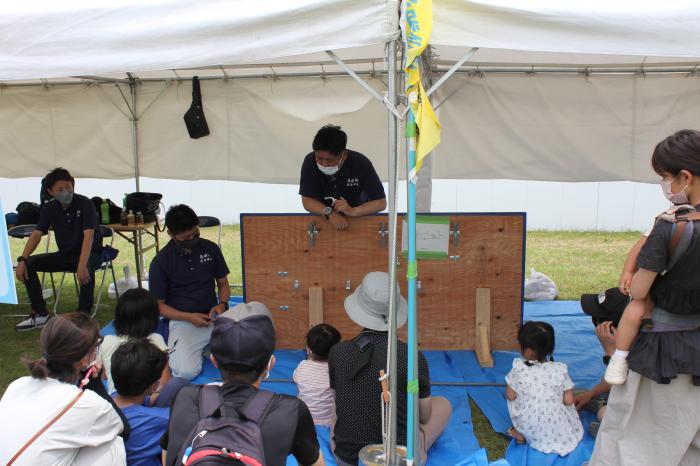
[[578, 262]]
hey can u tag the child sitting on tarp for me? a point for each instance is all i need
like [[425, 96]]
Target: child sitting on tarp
[[311, 375], [137, 366], [540, 394]]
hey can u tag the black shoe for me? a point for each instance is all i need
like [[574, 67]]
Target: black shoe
[[32, 321]]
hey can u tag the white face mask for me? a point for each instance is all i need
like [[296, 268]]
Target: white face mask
[[330, 171], [675, 198]]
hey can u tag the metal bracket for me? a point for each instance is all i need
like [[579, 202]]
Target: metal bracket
[[454, 258], [348, 285], [454, 233], [383, 234], [312, 231], [296, 285], [282, 274], [419, 285], [284, 308]]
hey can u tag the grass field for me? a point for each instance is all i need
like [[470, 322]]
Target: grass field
[[579, 262]]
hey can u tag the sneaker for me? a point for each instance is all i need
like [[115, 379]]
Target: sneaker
[[616, 373], [32, 321]]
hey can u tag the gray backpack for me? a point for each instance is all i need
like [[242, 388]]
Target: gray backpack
[[224, 438]]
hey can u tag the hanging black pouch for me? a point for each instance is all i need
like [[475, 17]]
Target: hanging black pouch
[[194, 117]]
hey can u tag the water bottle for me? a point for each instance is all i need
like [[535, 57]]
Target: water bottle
[[130, 219], [104, 208]]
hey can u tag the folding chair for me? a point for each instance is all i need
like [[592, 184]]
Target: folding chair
[[105, 265], [23, 232], [209, 222]]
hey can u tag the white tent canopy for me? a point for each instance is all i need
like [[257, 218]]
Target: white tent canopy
[[557, 91]]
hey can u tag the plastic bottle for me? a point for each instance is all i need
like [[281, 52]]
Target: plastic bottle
[[139, 218], [104, 209], [124, 219], [130, 219]]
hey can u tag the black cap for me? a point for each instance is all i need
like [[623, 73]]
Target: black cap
[[243, 337], [606, 306]]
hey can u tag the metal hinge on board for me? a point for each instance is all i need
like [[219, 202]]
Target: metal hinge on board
[[455, 233], [312, 231], [383, 234]]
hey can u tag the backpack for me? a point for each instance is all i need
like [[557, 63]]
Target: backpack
[[28, 213], [682, 218], [221, 438]]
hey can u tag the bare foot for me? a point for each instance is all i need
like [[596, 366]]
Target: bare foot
[[517, 436]]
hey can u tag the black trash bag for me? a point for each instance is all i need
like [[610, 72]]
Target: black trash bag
[[194, 117]]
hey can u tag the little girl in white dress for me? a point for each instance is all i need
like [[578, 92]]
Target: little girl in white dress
[[540, 396]]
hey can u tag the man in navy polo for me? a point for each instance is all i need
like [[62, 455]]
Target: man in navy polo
[[73, 219], [338, 183], [189, 278]]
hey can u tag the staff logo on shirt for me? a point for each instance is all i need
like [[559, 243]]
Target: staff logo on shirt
[[352, 182], [205, 258], [77, 213]]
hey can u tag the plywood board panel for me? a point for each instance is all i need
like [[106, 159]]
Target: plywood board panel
[[280, 266]]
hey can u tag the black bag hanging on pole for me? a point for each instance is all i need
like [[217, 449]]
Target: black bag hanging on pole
[[194, 117]]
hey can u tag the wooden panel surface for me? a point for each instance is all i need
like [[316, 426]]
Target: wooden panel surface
[[280, 266]]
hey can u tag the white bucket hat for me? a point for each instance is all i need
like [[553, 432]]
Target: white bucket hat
[[368, 305]]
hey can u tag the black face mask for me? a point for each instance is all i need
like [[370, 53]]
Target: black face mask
[[188, 244]]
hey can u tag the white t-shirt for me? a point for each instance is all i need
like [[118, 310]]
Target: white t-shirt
[[314, 387], [88, 433], [109, 346]]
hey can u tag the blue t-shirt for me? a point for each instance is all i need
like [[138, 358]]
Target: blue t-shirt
[[147, 427], [187, 282]]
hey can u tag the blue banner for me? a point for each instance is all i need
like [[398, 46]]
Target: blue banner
[[8, 293]]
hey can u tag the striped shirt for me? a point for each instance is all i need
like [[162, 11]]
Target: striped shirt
[[313, 383]]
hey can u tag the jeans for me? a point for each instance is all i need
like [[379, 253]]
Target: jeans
[[59, 262]]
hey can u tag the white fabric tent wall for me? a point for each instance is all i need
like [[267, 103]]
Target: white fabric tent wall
[[560, 127], [537, 127]]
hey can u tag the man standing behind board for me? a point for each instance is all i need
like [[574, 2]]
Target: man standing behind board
[[337, 182]]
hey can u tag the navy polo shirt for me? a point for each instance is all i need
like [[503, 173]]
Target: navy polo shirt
[[187, 282], [68, 224], [357, 182]]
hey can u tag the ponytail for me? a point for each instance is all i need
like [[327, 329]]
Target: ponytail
[[39, 368]]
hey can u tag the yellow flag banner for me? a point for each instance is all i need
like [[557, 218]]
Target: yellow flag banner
[[417, 26]]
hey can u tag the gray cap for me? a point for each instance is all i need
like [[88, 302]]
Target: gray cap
[[243, 337]]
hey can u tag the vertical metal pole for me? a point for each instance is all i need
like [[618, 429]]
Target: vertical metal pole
[[393, 288], [135, 133], [412, 418]]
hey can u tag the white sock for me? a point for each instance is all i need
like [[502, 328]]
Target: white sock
[[620, 354]]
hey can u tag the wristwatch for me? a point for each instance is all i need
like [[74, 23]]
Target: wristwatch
[[327, 211], [21, 259], [225, 305]]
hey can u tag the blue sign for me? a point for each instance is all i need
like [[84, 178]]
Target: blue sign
[[8, 293]]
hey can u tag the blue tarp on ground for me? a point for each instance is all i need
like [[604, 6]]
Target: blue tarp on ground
[[576, 345]]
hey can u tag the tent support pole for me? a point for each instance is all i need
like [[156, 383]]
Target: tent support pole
[[354, 75], [134, 132], [393, 286], [452, 70]]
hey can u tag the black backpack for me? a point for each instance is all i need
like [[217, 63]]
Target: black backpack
[[28, 213], [221, 438]]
